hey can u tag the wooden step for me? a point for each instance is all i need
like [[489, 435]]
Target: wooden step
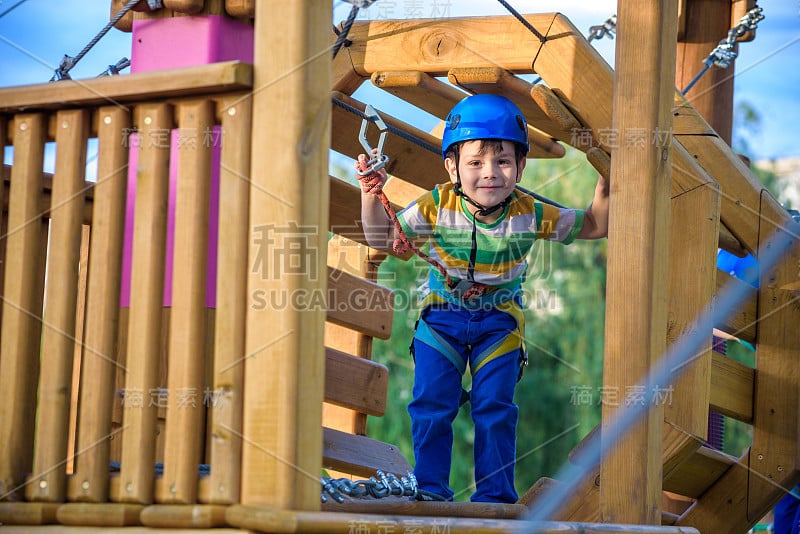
[[698, 473], [360, 455]]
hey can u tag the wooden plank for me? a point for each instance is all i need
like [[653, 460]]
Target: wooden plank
[[147, 290], [637, 257], [775, 453], [404, 506], [183, 516], [47, 188], [22, 305], [188, 81], [407, 159], [284, 369], [359, 304], [184, 433], [732, 388], [742, 322], [355, 382], [90, 480], [58, 338], [360, 455], [693, 237], [225, 450], [698, 473], [100, 514], [729, 243], [276, 520], [435, 45]]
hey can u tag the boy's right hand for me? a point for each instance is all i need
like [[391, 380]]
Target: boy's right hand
[[372, 180]]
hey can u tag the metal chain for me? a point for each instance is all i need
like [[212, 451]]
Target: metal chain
[[725, 52], [609, 27], [385, 485], [68, 62]]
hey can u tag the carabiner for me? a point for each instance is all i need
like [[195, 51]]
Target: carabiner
[[378, 160]]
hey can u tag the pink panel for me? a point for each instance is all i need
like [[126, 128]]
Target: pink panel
[[186, 41]]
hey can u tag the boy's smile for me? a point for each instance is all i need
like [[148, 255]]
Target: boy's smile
[[487, 177]]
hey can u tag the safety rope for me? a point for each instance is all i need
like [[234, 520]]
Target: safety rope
[[725, 52], [371, 183], [68, 62], [524, 22], [12, 8], [385, 485]]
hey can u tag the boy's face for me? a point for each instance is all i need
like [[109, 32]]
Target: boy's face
[[487, 176]]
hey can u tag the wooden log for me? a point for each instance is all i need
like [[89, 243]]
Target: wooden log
[[289, 194], [183, 516], [90, 479], [225, 447], [27, 513], [199, 80], [360, 455], [420, 89], [732, 388], [240, 8], [637, 258], [186, 364], [185, 6], [124, 24], [147, 290], [403, 506], [22, 305], [600, 160], [100, 514], [58, 340]]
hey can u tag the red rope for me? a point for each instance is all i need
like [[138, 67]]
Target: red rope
[[372, 183]]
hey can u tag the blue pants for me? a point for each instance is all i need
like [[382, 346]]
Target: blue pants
[[787, 514], [437, 388]]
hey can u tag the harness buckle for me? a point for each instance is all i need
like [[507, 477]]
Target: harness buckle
[[379, 159]]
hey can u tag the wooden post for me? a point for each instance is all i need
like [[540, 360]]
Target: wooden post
[[55, 381], [22, 305], [636, 310], [707, 22], [186, 362], [229, 331], [98, 369], [147, 293], [284, 367]]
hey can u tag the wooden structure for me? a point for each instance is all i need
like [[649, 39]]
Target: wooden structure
[[259, 372]]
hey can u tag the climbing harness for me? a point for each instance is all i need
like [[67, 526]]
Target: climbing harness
[[609, 27], [371, 183], [725, 52], [385, 485], [68, 62]]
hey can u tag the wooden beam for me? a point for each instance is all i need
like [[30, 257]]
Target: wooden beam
[[356, 383], [743, 321], [200, 80], [435, 45], [732, 388], [698, 473], [188, 516], [637, 257], [774, 459], [403, 506], [289, 196]]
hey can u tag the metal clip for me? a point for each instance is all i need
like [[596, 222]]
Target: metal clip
[[378, 160]]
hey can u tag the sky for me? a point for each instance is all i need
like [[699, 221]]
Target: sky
[[36, 34]]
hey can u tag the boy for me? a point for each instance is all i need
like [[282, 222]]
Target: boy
[[481, 229]]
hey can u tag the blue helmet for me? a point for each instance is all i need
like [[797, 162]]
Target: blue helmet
[[484, 116]]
